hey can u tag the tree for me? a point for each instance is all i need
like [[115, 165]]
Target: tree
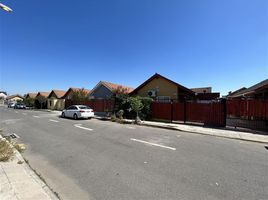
[[19, 101], [79, 95], [29, 101], [120, 90], [120, 97], [136, 106], [42, 101]]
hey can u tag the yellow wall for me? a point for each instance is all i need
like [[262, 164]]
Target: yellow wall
[[55, 104], [163, 87]]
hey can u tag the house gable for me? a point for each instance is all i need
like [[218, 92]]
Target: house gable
[[43, 94], [57, 94], [101, 91], [163, 87], [52, 95]]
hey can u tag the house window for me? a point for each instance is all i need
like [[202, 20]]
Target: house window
[[163, 98]]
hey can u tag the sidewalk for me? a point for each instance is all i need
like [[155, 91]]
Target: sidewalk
[[19, 181], [219, 132]]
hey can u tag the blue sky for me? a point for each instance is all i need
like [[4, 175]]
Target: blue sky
[[49, 44]]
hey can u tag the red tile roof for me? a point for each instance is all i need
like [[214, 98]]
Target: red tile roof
[[58, 93], [44, 94], [31, 95], [75, 89], [114, 86], [86, 90]]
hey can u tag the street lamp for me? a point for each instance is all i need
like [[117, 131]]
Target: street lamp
[[4, 7]]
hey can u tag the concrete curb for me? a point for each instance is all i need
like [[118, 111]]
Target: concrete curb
[[231, 134], [210, 131], [19, 181]]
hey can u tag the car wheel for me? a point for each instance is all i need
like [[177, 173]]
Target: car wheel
[[75, 116], [63, 115], [89, 118]]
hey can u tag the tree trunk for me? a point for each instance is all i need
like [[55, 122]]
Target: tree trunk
[[138, 120]]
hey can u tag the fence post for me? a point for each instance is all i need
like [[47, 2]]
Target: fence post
[[171, 118], [224, 102], [184, 111]]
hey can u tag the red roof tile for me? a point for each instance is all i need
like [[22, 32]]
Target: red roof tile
[[58, 93], [113, 86], [44, 94], [31, 95]]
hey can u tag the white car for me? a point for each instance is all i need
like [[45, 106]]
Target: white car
[[11, 105], [78, 111]]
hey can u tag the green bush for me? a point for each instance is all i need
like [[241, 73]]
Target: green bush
[[123, 102], [80, 95], [146, 112], [29, 102]]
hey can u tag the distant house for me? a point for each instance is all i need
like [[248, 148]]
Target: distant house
[[106, 90], [257, 91], [14, 98], [41, 100], [163, 89], [3, 96], [202, 90], [235, 92], [205, 94], [55, 100], [30, 95]]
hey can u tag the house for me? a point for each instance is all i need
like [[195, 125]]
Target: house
[[55, 101], [235, 92], [15, 98], [69, 94], [3, 96], [30, 95], [106, 90], [30, 99], [205, 94], [257, 91], [163, 89], [41, 100]]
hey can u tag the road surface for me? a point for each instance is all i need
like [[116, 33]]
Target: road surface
[[94, 159]]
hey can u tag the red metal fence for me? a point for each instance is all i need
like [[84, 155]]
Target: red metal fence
[[251, 109], [247, 113], [213, 113], [98, 105], [237, 113]]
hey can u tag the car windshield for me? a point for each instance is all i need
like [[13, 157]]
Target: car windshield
[[84, 107]]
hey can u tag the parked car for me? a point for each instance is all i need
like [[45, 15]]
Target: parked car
[[20, 106], [78, 111], [11, 105]]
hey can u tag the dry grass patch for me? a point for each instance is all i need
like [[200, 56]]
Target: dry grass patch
[[6, 150]]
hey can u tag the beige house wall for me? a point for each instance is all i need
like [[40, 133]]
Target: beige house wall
[[15, 99], [162, 86], [55, 104]]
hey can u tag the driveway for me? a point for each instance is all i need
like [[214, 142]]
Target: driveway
[[93, 159]]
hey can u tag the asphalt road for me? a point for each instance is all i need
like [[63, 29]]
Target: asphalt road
[[93, 159]]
